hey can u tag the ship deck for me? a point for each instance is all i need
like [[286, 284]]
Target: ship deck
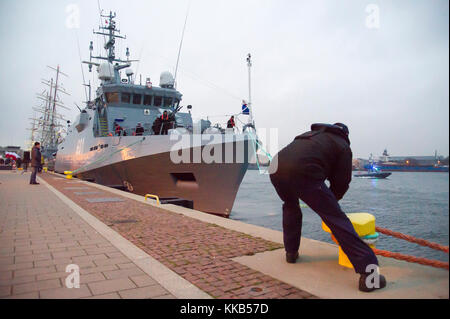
[[127, 247]]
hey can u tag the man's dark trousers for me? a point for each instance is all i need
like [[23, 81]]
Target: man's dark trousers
[[319, 198], [33, 175]]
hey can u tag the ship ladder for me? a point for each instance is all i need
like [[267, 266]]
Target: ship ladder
[[103, 127]]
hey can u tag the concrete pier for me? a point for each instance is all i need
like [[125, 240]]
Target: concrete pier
[[127, 247]]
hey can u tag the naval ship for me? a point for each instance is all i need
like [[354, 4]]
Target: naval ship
[[119, 140]]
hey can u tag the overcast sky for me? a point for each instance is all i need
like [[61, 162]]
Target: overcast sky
[[313, 61]]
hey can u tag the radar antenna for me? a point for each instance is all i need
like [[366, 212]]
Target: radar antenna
[[111, 33]]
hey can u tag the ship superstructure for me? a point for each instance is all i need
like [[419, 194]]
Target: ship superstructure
[[136, 136]]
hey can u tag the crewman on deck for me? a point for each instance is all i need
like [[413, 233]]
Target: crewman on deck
[[139, 130], [301, 170], [35, 162], [231, 123], [165, 123], [118, 129]]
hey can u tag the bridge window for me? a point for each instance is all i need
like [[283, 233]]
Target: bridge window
[[112, 97], [158, 101], [148, 99], [126, 97], [137, 98], [168, 102]]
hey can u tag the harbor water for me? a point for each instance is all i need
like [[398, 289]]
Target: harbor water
[[416, 204]]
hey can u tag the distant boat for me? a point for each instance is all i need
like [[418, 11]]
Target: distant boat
[[373, 171], [378, 175], [403, 167]]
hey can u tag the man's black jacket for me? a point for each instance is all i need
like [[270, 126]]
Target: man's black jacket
[[323, 153]]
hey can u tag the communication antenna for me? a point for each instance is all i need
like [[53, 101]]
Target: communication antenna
[[249, 64], [181, 44], [88, 98]]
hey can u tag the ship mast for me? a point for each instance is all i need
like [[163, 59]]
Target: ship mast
[[249, 64], [48, 123], [34, 128], [111, 33]]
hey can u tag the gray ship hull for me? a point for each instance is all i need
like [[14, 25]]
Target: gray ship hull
[[146, 169], [211, 187]]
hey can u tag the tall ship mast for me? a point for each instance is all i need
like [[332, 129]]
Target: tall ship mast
[[47, 127], [33, 132], [137, 137]]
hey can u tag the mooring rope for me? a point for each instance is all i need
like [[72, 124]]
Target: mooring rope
[[411, 259], [256, 140], [412, 239], [408, 258]]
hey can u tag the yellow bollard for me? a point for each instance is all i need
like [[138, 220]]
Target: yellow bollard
[[153, 196], [68, 174], [364, 225]]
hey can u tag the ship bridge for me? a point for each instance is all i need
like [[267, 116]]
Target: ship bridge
[[129, 104], [119, 101]]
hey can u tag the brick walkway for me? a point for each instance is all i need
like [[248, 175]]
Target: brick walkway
[[40, 236], [200, 252]]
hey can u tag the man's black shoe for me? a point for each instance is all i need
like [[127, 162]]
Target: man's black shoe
[[291, 258], [34, 184], [363, 286]]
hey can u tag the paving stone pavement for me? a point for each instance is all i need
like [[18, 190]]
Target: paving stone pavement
[[40, 236], [200, 252]]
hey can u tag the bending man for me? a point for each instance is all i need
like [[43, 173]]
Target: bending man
[[303, 166]]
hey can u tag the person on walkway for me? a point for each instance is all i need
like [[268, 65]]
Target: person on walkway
[[26, 161], [42, 164], [231, 123], [302, 168], [35, 162], [19, 162]]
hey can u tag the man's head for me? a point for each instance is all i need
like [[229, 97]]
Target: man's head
[[37, 144], [337, 128], [344, 128], [232, 117], [165, 113]]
